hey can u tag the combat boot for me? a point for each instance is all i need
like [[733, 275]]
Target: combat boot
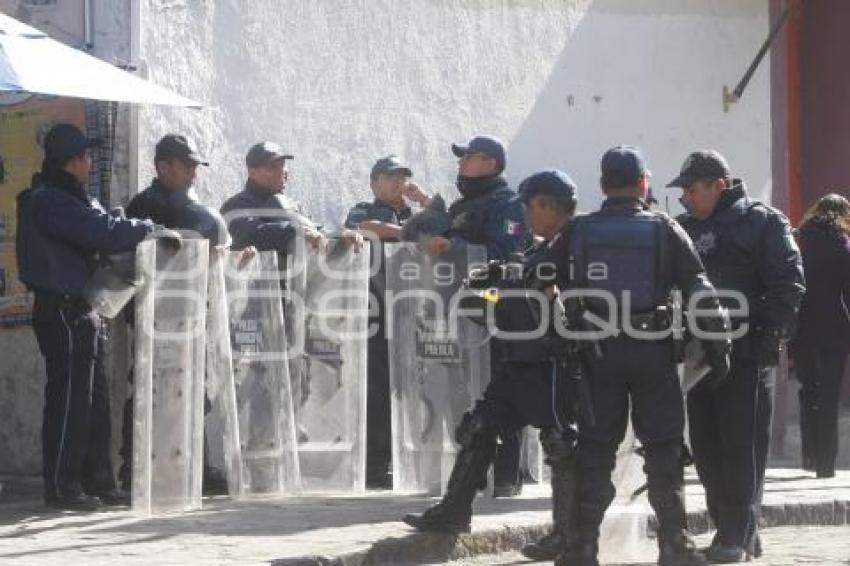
[[564, 515], [679, 550], [442, 517], [579, 554]]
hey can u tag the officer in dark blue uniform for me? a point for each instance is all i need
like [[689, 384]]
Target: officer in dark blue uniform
[[61, 234], [635, 256], [381, 220], [488, 214], [171, 201], [746, 247], [528, 386]]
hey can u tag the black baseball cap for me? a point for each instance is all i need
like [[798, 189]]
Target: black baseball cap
[[264, 153], [549, 182], [176, 146], [622, 166], [66, 141], [487, 145], [704, 164], [390, 164]]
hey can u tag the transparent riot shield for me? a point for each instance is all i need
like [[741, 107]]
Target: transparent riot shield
[[168, 418], [222, 425], [328, 310], [439, 362], [261, 374]]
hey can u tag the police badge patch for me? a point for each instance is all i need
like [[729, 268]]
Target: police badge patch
[[514, 228], [706, 243]]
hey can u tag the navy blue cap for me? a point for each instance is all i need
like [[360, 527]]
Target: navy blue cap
[[390, 164], [705, 164], [176, 146], [549, 182], [64, 142], [264, 153], [488, 145], [622, 166]]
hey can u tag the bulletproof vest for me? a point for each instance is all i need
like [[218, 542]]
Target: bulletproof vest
[[469, 217], [620, 254]]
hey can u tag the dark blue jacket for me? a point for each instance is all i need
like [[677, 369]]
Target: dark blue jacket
[[267, 221], [748, 247], [61, 232], [489, 214], [179, 210]]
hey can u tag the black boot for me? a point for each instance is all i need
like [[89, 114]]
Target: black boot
[[678, 550], [469, 474], [579, 554], [564, 515], [71, 498]]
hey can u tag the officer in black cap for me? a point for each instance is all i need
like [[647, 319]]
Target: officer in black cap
[[635, 257], [381, 221], [171, 201], [527, 386], [61, 233], [747, 247]]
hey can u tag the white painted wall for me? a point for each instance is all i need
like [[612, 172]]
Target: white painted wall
[[342, 82]]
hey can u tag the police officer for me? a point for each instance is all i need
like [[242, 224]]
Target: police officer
[[61, 233], [171, 201], [381, 220], [528, 387], [488, 214], [262, 216], [746, 247], [635, 256]]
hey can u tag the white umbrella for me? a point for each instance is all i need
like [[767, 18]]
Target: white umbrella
[[32, 62]]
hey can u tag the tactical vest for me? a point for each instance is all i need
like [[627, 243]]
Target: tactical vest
[[624, 256]]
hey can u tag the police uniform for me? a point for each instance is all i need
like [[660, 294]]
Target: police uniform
[[746, 247], [378, 414], [644, 255], [177, 209], [61, 233], [528, 386]]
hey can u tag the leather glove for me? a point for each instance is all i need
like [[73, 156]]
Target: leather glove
[[169, 238], [769, 346]]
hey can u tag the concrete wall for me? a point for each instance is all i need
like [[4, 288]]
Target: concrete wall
[[341, 82]]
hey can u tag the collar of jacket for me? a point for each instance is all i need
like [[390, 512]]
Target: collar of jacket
[[472, 187], [53, 176], [623, 204], [734, 203], [402, 212], [258, 192]]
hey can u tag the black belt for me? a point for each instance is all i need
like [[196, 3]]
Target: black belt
[[66, 301]]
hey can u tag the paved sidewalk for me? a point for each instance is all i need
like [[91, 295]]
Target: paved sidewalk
[[358, 531]]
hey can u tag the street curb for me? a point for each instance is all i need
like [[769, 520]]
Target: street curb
[[422, 548]]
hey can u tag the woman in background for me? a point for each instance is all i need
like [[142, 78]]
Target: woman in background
[[823, 335]]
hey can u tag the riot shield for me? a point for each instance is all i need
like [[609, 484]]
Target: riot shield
[[222, 425], [170, 348], [261, 375], [439, 362], [328, 310]]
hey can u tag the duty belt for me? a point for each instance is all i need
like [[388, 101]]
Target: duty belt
[[72, 303]]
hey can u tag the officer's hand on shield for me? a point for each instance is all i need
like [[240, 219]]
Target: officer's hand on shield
[[171, 239], [315, 240], [437, 245], [247, 255], [769, 346], [352, 240]]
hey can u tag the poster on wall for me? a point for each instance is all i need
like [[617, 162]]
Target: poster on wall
[[24, 119]]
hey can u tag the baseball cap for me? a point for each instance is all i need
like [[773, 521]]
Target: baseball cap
[[390, 164], [704, 164], [65, 141], [264, 153], [488, 145], [622, 166], [176, 146], [549, 182]]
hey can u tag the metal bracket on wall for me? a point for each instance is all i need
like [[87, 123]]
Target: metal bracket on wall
[[731, 97]]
